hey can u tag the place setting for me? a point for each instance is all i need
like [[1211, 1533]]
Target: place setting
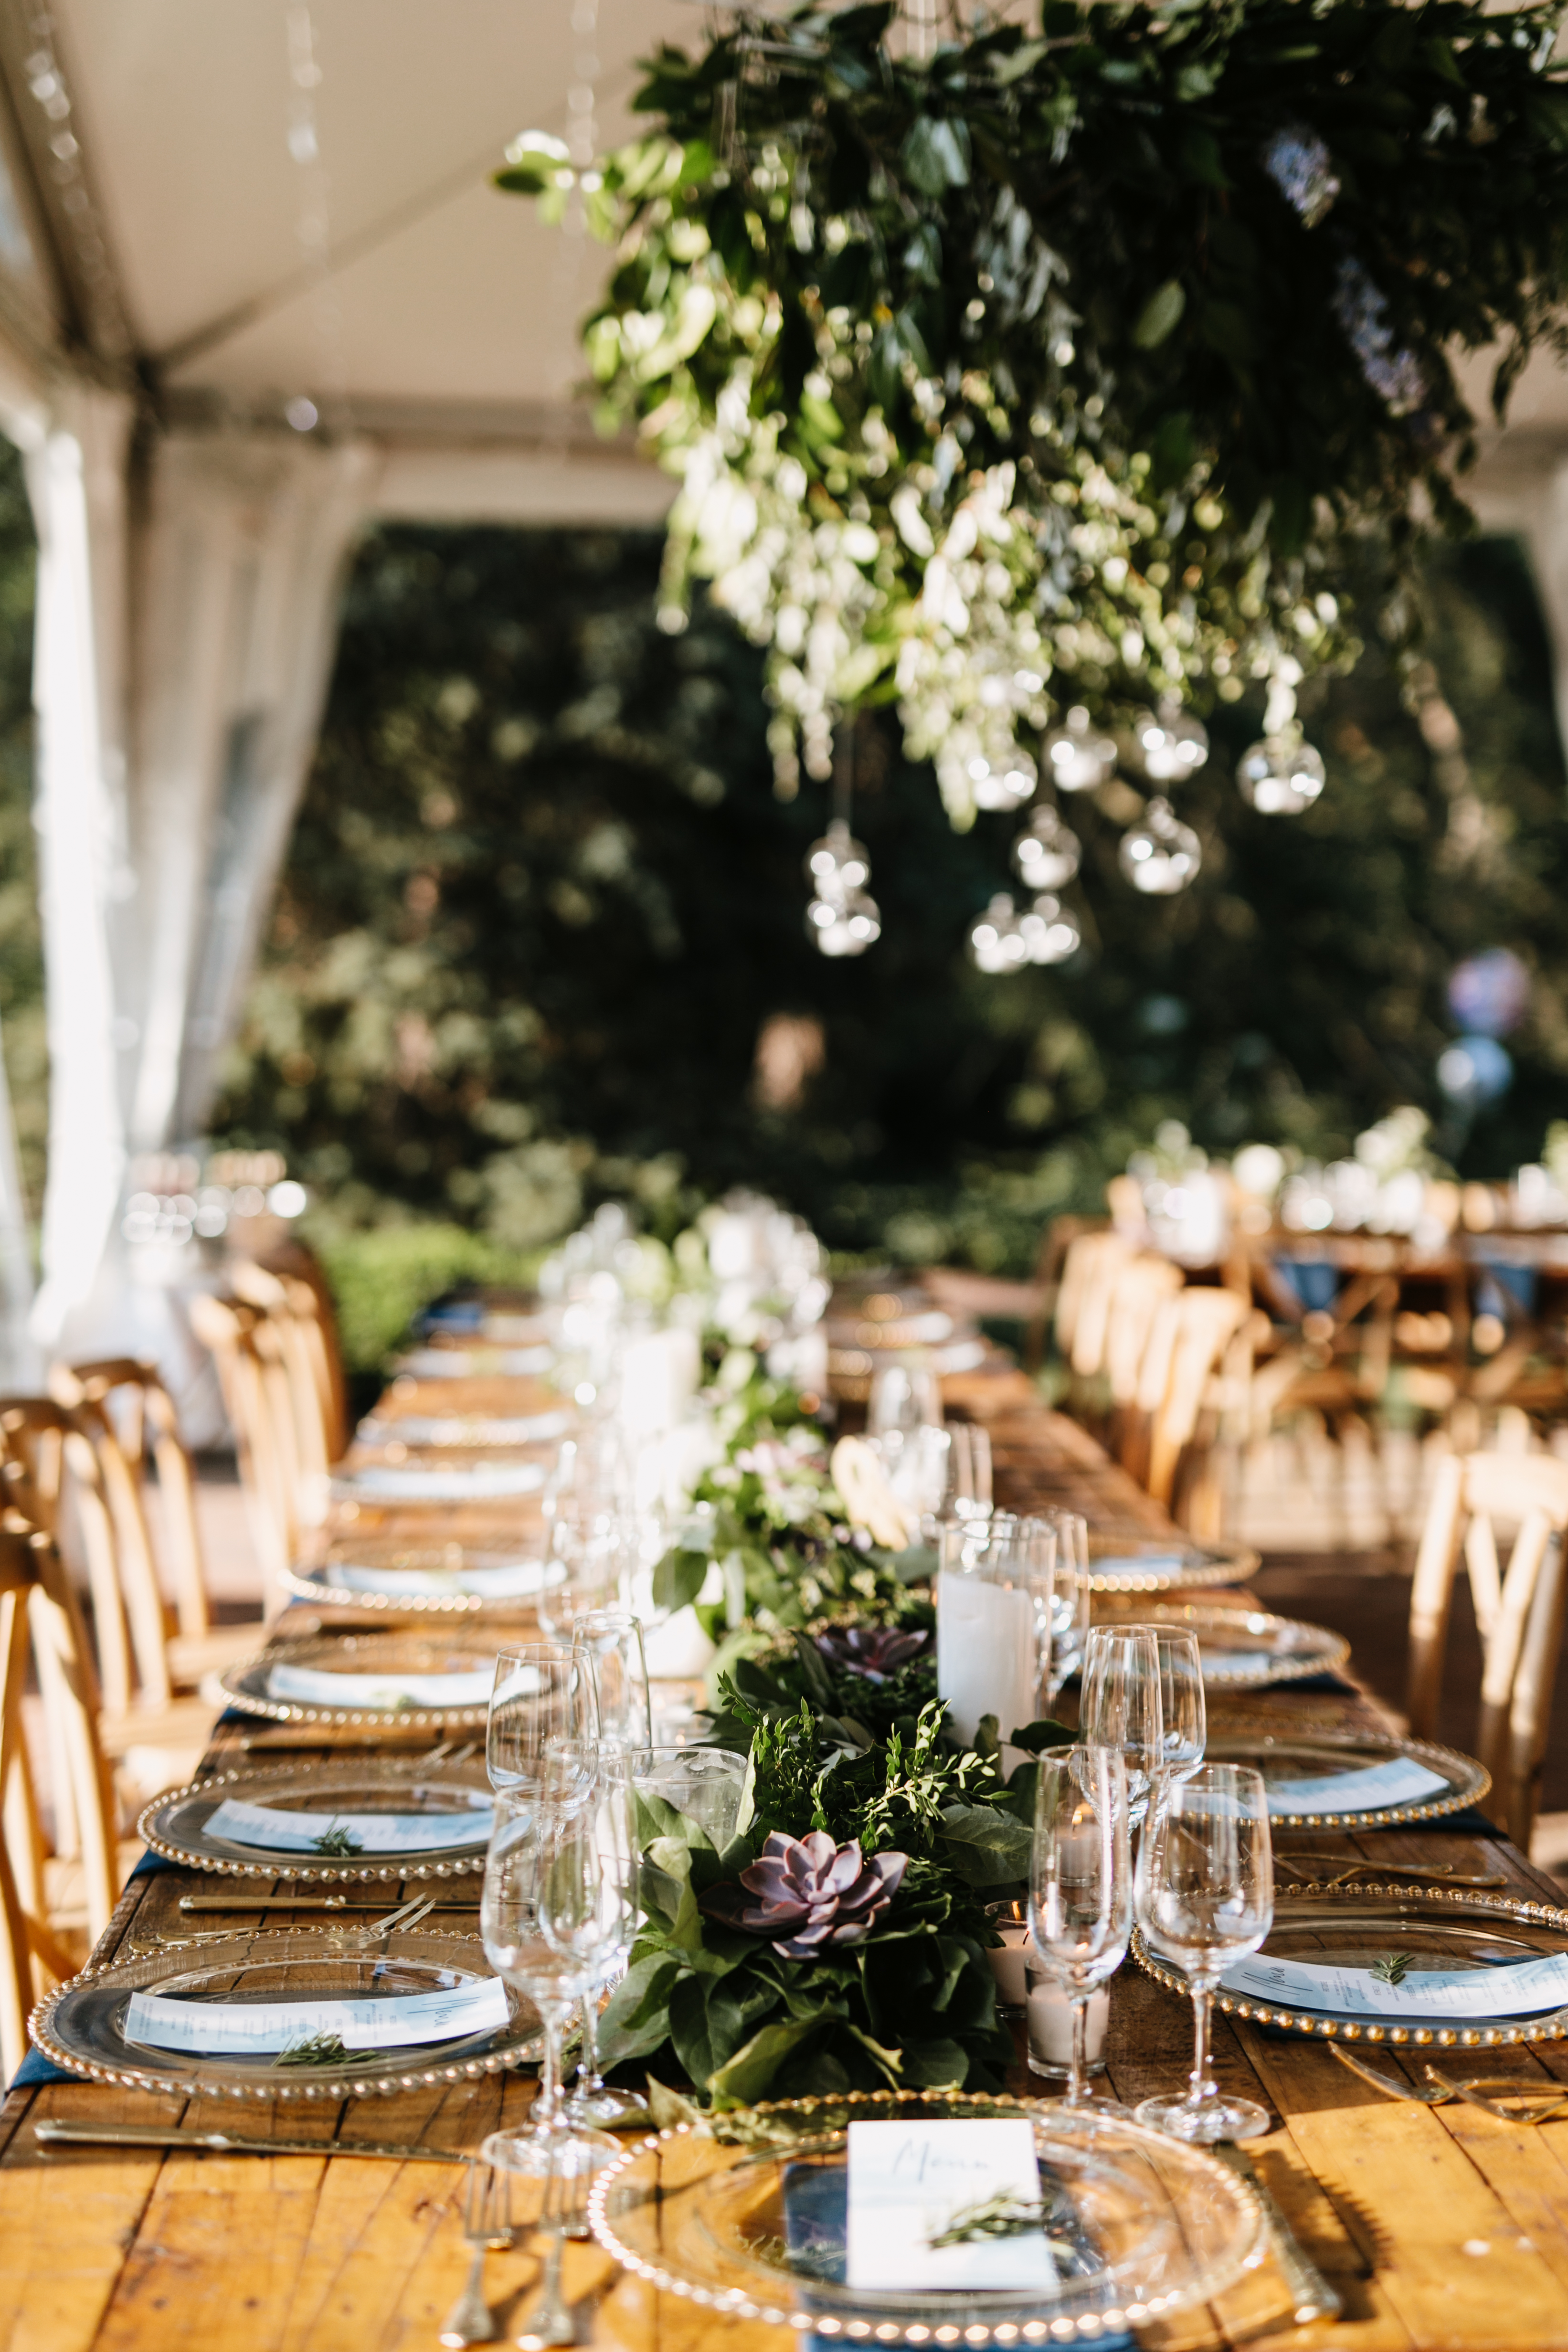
[[382, 1573], [402, 1682]]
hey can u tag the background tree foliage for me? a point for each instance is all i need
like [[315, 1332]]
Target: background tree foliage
[[541, 903]]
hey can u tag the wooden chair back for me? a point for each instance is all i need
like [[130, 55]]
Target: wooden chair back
[[1089, 1273], [1188, 1338], [255, 1392], [1140, 1288], [17, 1576], [1519, 1612], [147, 1426], [55, 1462]]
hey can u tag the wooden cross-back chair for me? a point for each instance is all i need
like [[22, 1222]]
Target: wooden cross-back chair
[[255, 1395], [65, 1469], [1519, 1612], [54, 1906], [1193, 1334]]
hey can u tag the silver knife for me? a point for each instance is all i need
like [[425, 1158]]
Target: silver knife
[[1310, 2292], [156, 2135]]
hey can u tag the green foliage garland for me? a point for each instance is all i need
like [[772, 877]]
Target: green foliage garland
[[1055, 369]]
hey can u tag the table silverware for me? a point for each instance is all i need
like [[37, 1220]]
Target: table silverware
[[241, 1902], [106, 2135], [1391, 2089], [487, 2222], [408, 1915], [1311, 2296], [560, 2217]]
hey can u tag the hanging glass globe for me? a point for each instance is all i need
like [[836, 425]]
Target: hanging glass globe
[[1079, 756], [997, 942], [1050, 933], [1004, 783], [1160, 855], [1173, 744], [1048, 855], [838, 857], [844, 922], [1280, 775]]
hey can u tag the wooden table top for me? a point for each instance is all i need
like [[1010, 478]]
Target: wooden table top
[[1440, 2228]]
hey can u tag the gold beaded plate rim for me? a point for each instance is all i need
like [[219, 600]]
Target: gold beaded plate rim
[[1199, 1564], [1244, 1743], [1317, 2025], [260, 1861], [1087, 2327], [370, 2082], [465, 1716], [1211, 1621], [309, 1585]]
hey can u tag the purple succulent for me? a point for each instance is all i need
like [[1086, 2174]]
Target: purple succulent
[[811, 1893], [876, 1651]]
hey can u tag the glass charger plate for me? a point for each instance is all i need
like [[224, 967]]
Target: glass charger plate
[[1135, 1563], [175, 1824], [437, 1477], [463, 1429], [1329, 1755], [425, 1579], [388, 1655], [82, 2025], [1241, 1649], [1139, 2225], [1441, 1928]]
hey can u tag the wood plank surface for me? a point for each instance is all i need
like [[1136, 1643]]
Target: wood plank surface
[[1439, 2227]]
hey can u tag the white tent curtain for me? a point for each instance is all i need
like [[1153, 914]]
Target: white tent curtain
[[187, 605]]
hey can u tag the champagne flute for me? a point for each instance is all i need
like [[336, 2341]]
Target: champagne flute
[[607, 1650], [1080, 1886], [1205, 1895], [536, 1870], [1071, 1601], [542, 1704], [1120, 1706]]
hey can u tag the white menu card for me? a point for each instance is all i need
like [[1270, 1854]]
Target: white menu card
[[310, 1688], [1401, 1781], [253, 2028], [909, 2182], [276, 1831], [1514, 1991]]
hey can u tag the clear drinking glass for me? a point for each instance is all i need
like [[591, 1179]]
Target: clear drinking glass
[[607, 1647], [1071, 1601], [1204, 1894], [1183, 1712], [993, 1652], [1121, 1707], [1081, 1886], [542, 1700], [544, 1914], [588, 1566]]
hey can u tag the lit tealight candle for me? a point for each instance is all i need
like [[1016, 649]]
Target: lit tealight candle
[[1009, 1963], [1050, 2025]]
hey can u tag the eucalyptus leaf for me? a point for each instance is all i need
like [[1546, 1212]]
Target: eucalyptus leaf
[[1159, 316]]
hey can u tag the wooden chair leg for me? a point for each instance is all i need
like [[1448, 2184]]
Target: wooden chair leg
[[1530, 1717]]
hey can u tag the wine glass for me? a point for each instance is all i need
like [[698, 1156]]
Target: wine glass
[[541, 1705], [1183, 1712], [587, 1575], [1071, 1601], [1205, 1895], [607, 1650], [544, 1912], [1120, 1706], [1080, 1886]]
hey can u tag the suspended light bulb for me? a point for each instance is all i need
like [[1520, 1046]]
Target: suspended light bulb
[[1172, 745], [1005, 781], [1079, 756], [1160, 855], [845, 923], [1050, 933], [839, 859], [997, 942], [1280, 775], [1048, 855]]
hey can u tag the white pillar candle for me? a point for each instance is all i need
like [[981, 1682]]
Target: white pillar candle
[[984, 1653], [1050, 2025], [1009, 1965]]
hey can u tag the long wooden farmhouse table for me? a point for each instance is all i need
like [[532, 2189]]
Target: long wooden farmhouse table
[[1438, 2228]]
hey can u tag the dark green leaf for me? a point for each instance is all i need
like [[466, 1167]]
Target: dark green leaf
[[679, 1579], [1159, 316]]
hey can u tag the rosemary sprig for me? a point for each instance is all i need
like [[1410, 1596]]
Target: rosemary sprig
[[1003, 2216], [1390, 1969], [336, 1839], [316, 2050]]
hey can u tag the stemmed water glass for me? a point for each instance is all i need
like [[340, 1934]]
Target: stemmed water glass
[[1205, 1895], [1080, 1886], [587, 1563], [542, 1706], [1121, 1707], [559, 1896], [1184, 1712]]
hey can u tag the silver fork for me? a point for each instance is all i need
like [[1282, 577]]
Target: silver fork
[[560, 2217], [487, 2222], [408, 1915]]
